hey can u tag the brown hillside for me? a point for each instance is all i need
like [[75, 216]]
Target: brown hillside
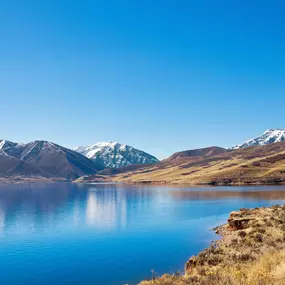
[[254, 165], [207, 151]]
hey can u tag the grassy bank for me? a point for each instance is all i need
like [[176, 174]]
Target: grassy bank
[[251, 252]]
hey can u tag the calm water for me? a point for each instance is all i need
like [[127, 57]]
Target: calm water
[[110, 234]]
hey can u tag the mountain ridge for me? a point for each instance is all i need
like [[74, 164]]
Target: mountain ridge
[[43, 159], [115, 155], [268, 137], [259, 160], [253, 165]]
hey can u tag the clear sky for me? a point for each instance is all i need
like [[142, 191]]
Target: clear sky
[[160, 75]]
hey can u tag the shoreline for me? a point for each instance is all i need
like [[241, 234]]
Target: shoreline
[[203, 184], [16, 180], [166, 183], [19, 180], [251, 250]]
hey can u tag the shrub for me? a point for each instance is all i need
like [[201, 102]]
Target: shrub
[[258, 238], [242, 234]]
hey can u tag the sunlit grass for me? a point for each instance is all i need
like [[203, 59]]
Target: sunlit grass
[[251, 252]]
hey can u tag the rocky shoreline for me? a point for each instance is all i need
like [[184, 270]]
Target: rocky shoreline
[[251, 251]]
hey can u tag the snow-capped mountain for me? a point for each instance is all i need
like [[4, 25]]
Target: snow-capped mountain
[[43, 158], [268, 137], [115, 155]]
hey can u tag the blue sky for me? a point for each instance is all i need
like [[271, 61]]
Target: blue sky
[[160, 75]]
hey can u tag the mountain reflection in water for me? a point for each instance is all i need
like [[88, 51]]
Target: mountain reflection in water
[[66, 233]]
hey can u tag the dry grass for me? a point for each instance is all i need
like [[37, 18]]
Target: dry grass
[[251, 252], [268, 270], [254, 165]]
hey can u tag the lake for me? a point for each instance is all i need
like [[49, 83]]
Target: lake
[[112, 234]]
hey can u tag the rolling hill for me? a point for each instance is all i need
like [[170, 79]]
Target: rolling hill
[[252, 165]]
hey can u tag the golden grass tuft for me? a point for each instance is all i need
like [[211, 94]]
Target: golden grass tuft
[[268, 270]]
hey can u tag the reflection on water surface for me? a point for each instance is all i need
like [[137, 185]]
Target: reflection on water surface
[[111, 234]]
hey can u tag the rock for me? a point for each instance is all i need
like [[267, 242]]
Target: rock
[[190, 264], [238, 223]]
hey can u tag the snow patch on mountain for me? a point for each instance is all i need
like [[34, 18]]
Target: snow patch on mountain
[[46, 159], [115, 155], [23, 150], [268, 137]]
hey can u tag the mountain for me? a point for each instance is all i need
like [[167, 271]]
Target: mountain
[[268, 137], [115, 155], [255, 165], [43, 159], [207, 151]]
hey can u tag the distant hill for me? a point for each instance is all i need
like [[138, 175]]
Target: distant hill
[[43, 159], [207, 151], [252, 165], [115, 155]]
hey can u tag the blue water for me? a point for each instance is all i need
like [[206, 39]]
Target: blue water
[[111, 234]]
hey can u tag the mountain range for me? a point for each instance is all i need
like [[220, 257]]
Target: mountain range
[[43, 159], [259, 160], [253, 165], [115, 155]]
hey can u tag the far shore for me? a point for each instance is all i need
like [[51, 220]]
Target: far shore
[[83, 180], [19, 180]]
